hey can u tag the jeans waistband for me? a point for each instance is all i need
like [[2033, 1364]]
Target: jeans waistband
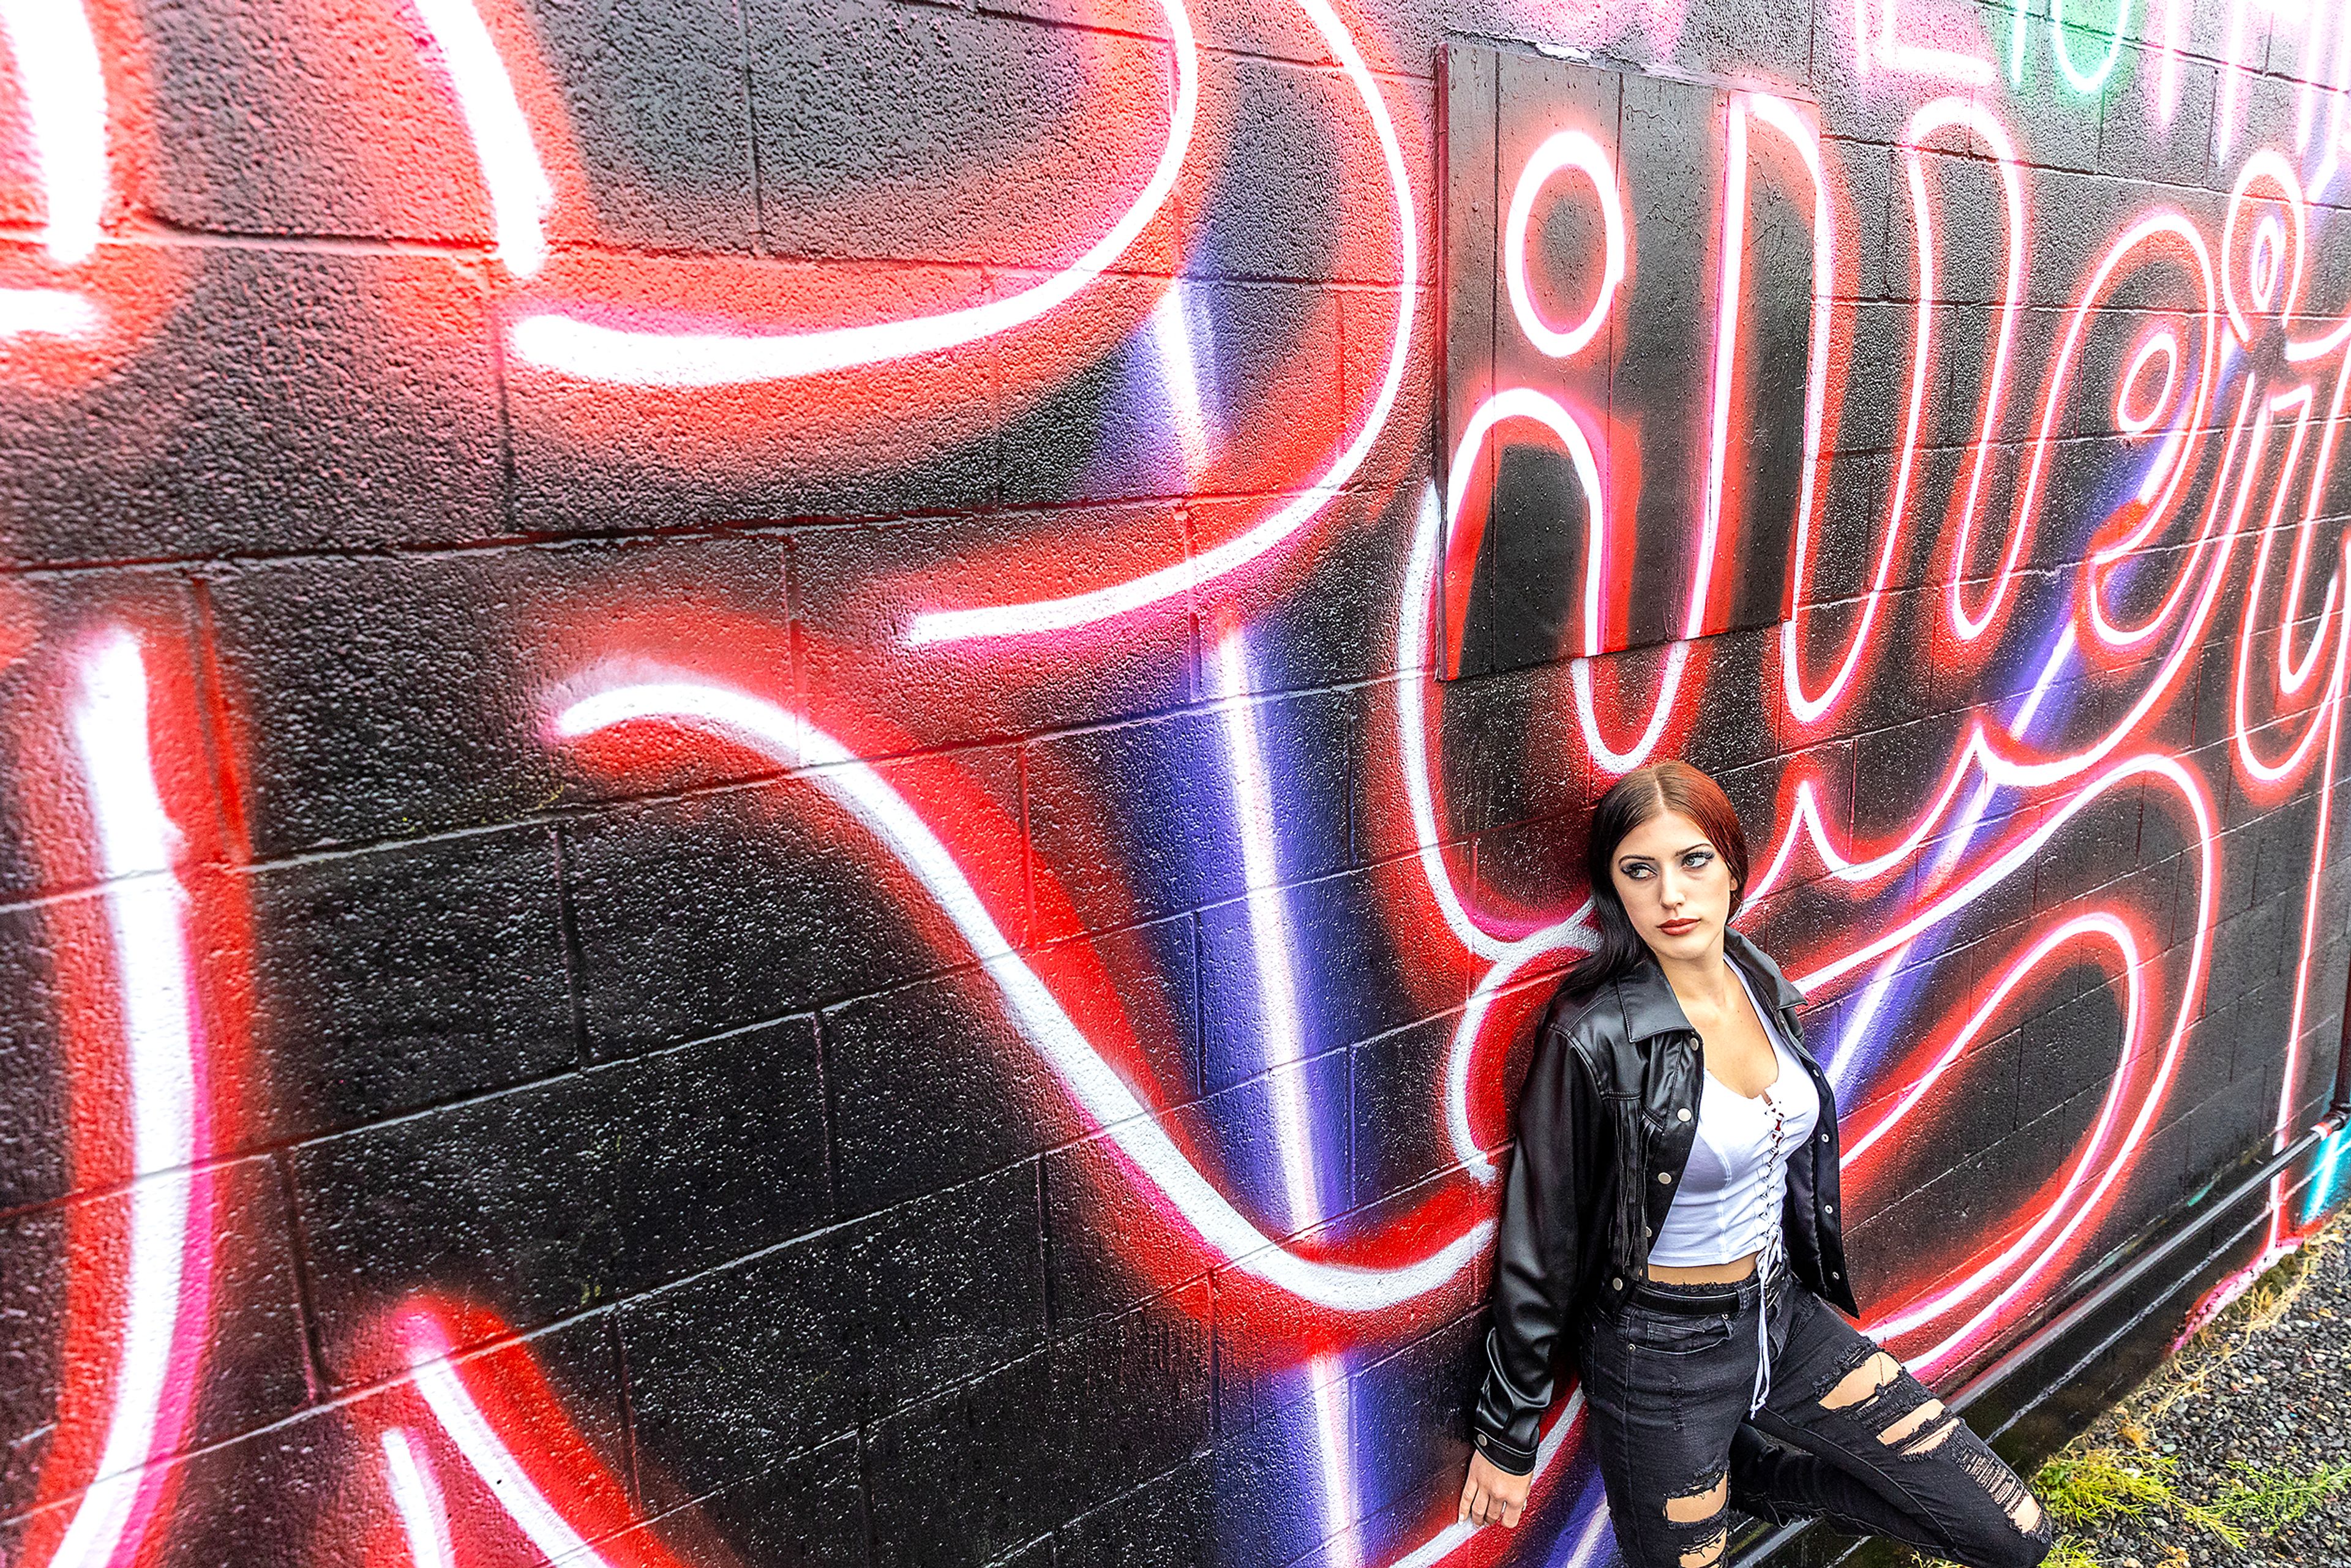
[[1701, 1301]]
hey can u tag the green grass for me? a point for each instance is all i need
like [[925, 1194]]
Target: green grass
[[2269, 1500], [2067, 1553], [2084, 1491]]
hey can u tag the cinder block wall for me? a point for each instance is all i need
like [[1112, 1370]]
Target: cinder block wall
[[757, 812]]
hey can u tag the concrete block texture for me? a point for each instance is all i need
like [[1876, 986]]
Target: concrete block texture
[[794, 781]]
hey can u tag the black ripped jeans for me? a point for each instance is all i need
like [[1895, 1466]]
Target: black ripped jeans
[[1667, 1378]]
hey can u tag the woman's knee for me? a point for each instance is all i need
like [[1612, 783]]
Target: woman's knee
[[1927, 1446], [1699, 1524], [2011, 1543], [2010, 1529]]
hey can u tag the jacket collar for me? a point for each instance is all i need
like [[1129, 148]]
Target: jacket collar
[[1651, 1009], [1761, 968]]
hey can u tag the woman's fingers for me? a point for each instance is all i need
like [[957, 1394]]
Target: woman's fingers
[[1482, 1505]]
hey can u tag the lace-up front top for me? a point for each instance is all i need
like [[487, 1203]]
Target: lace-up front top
[[1729, 1202]]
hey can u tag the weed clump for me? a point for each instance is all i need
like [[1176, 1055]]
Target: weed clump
[[2269, 1499], [2087, 1490]]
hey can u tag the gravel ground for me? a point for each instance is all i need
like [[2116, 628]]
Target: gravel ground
[[2251, 1418]]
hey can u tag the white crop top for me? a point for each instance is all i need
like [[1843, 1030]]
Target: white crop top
[[1731, 1192]]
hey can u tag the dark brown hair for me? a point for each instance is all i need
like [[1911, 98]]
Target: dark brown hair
[[1640, 796]]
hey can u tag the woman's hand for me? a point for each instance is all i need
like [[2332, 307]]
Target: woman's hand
[[1492, 1496]]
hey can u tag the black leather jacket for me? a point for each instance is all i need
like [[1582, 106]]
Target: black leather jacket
[[1606, 1123]]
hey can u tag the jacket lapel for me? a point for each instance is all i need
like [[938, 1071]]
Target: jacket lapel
[[1761, 969], [1649, 1005], [1651, 1009]]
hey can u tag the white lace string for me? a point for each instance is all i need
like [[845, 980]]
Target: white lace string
[[1772, 1244]]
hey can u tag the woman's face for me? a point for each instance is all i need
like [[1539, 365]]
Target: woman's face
[[1674, 887]]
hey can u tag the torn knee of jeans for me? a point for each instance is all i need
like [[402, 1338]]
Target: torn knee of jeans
[[1702, 1510], [1863, 1381], [1698, 1507], [1707, 1553], [2008, 1491]]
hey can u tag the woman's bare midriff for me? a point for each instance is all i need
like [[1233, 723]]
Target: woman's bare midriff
[[1729, 1273]]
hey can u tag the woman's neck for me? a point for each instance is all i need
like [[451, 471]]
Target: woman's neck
[[1706, 980]]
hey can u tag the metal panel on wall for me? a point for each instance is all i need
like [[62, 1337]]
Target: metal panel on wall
[[1629, 288]]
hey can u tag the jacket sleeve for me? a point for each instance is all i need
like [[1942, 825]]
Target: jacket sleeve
[[1546, 1222]]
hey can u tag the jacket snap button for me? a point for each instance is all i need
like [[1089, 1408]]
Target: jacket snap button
[[1617, 1284], [1828, 1208], [1824, 1137], [1835, 1275], [1666, 1177], [1682, 1115]]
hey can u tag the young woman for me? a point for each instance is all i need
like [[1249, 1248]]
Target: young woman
[[1671, 1222]]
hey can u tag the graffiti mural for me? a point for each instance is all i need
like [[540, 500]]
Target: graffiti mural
[[789, 781]]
